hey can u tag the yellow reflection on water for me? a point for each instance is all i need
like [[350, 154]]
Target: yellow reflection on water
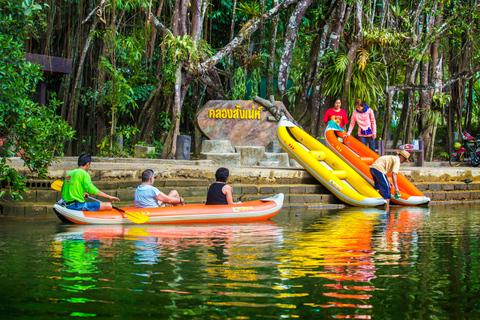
[[336, 248]]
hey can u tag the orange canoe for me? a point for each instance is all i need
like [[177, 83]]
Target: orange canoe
[[190, 213], [360, 157]]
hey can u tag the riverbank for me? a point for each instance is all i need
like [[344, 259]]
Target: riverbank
[[107, 169], [120, 177]]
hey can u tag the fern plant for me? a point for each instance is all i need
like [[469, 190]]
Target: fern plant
[[240, 85]]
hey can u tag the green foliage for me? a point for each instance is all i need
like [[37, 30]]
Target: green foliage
[[240, 85], [118, 92], [35, 132], [255, 79], [250, 10], [114, 150], [441, 99], [365, 83]]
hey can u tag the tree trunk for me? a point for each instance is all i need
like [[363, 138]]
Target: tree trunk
[[402, 123], [356, 42], [289, 46], [386, 115], [271, 53]]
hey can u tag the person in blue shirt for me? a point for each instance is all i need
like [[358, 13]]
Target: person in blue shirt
[[147, 196]]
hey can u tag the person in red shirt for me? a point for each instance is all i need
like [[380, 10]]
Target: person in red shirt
[[337, 114]]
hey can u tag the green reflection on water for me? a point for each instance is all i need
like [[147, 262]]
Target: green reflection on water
[[79, 258], [81, 314]]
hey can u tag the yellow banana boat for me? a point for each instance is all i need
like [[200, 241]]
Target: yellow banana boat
[[326, 167]]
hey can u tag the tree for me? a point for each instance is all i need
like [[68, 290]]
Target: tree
[[32, 131]]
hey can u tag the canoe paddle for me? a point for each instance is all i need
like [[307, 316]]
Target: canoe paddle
[[133, 216]]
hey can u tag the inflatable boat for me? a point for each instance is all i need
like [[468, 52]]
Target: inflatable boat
[[258, 210], [326, 167], [360, 157]]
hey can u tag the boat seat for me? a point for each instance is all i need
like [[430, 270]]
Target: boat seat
[[367, 160], [319, 155], [340, 174]]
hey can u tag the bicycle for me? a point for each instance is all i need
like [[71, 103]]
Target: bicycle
[[468, 150]]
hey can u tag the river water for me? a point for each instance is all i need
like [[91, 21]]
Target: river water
[[415, 263]]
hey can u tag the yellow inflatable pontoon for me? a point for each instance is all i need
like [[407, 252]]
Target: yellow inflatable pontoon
[[326, 167]]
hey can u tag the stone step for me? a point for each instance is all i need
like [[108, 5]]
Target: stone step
[[281, 158], [448, 186], [200, 190], [453, 195], [221, 159]]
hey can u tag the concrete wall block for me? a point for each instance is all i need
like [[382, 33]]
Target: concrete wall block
[[266, 190], [330, 198], [36, 210], [283, 189], [47, 196], [125, 194], [274, 147], [31, 195], [314, 199], [297, 190], [134, 184], [428, 194], [434, 187], [293, 163], [452, 196], [185, 183], [222, 159], [250, 155], [216, 146], [269, 164], [438, 196], [142, 151], [316, 189], [294, 198], [250, 190], [13, 210], [475, 195], [448, 187], [113, 185], [460, 186], [199, 191], [309, 180], [422, 187]]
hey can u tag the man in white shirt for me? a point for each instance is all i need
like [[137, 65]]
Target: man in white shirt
[[383, 166], [147, 196]]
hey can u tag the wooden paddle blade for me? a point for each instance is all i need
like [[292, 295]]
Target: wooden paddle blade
[[57, 185], [137, 217]]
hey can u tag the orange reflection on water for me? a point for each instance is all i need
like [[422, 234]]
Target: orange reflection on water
[[338, 249]]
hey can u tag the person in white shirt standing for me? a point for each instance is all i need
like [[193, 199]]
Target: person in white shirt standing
[[383, 166], [147, 196]]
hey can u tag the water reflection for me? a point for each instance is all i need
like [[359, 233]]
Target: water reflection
[[342, 249], [353, 263]]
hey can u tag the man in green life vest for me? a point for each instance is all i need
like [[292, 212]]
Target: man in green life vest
[[78, 186]]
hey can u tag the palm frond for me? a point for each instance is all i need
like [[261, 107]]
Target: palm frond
[[362, 58]]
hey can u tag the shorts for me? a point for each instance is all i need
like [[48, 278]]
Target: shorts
[[381, 183], [85, 206]]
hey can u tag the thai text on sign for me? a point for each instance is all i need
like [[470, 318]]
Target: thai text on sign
[[237, 113]]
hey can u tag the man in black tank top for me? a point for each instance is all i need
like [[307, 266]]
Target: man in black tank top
[[220, 192]]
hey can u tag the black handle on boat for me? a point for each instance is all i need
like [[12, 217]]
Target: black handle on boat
[[240, 198]]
